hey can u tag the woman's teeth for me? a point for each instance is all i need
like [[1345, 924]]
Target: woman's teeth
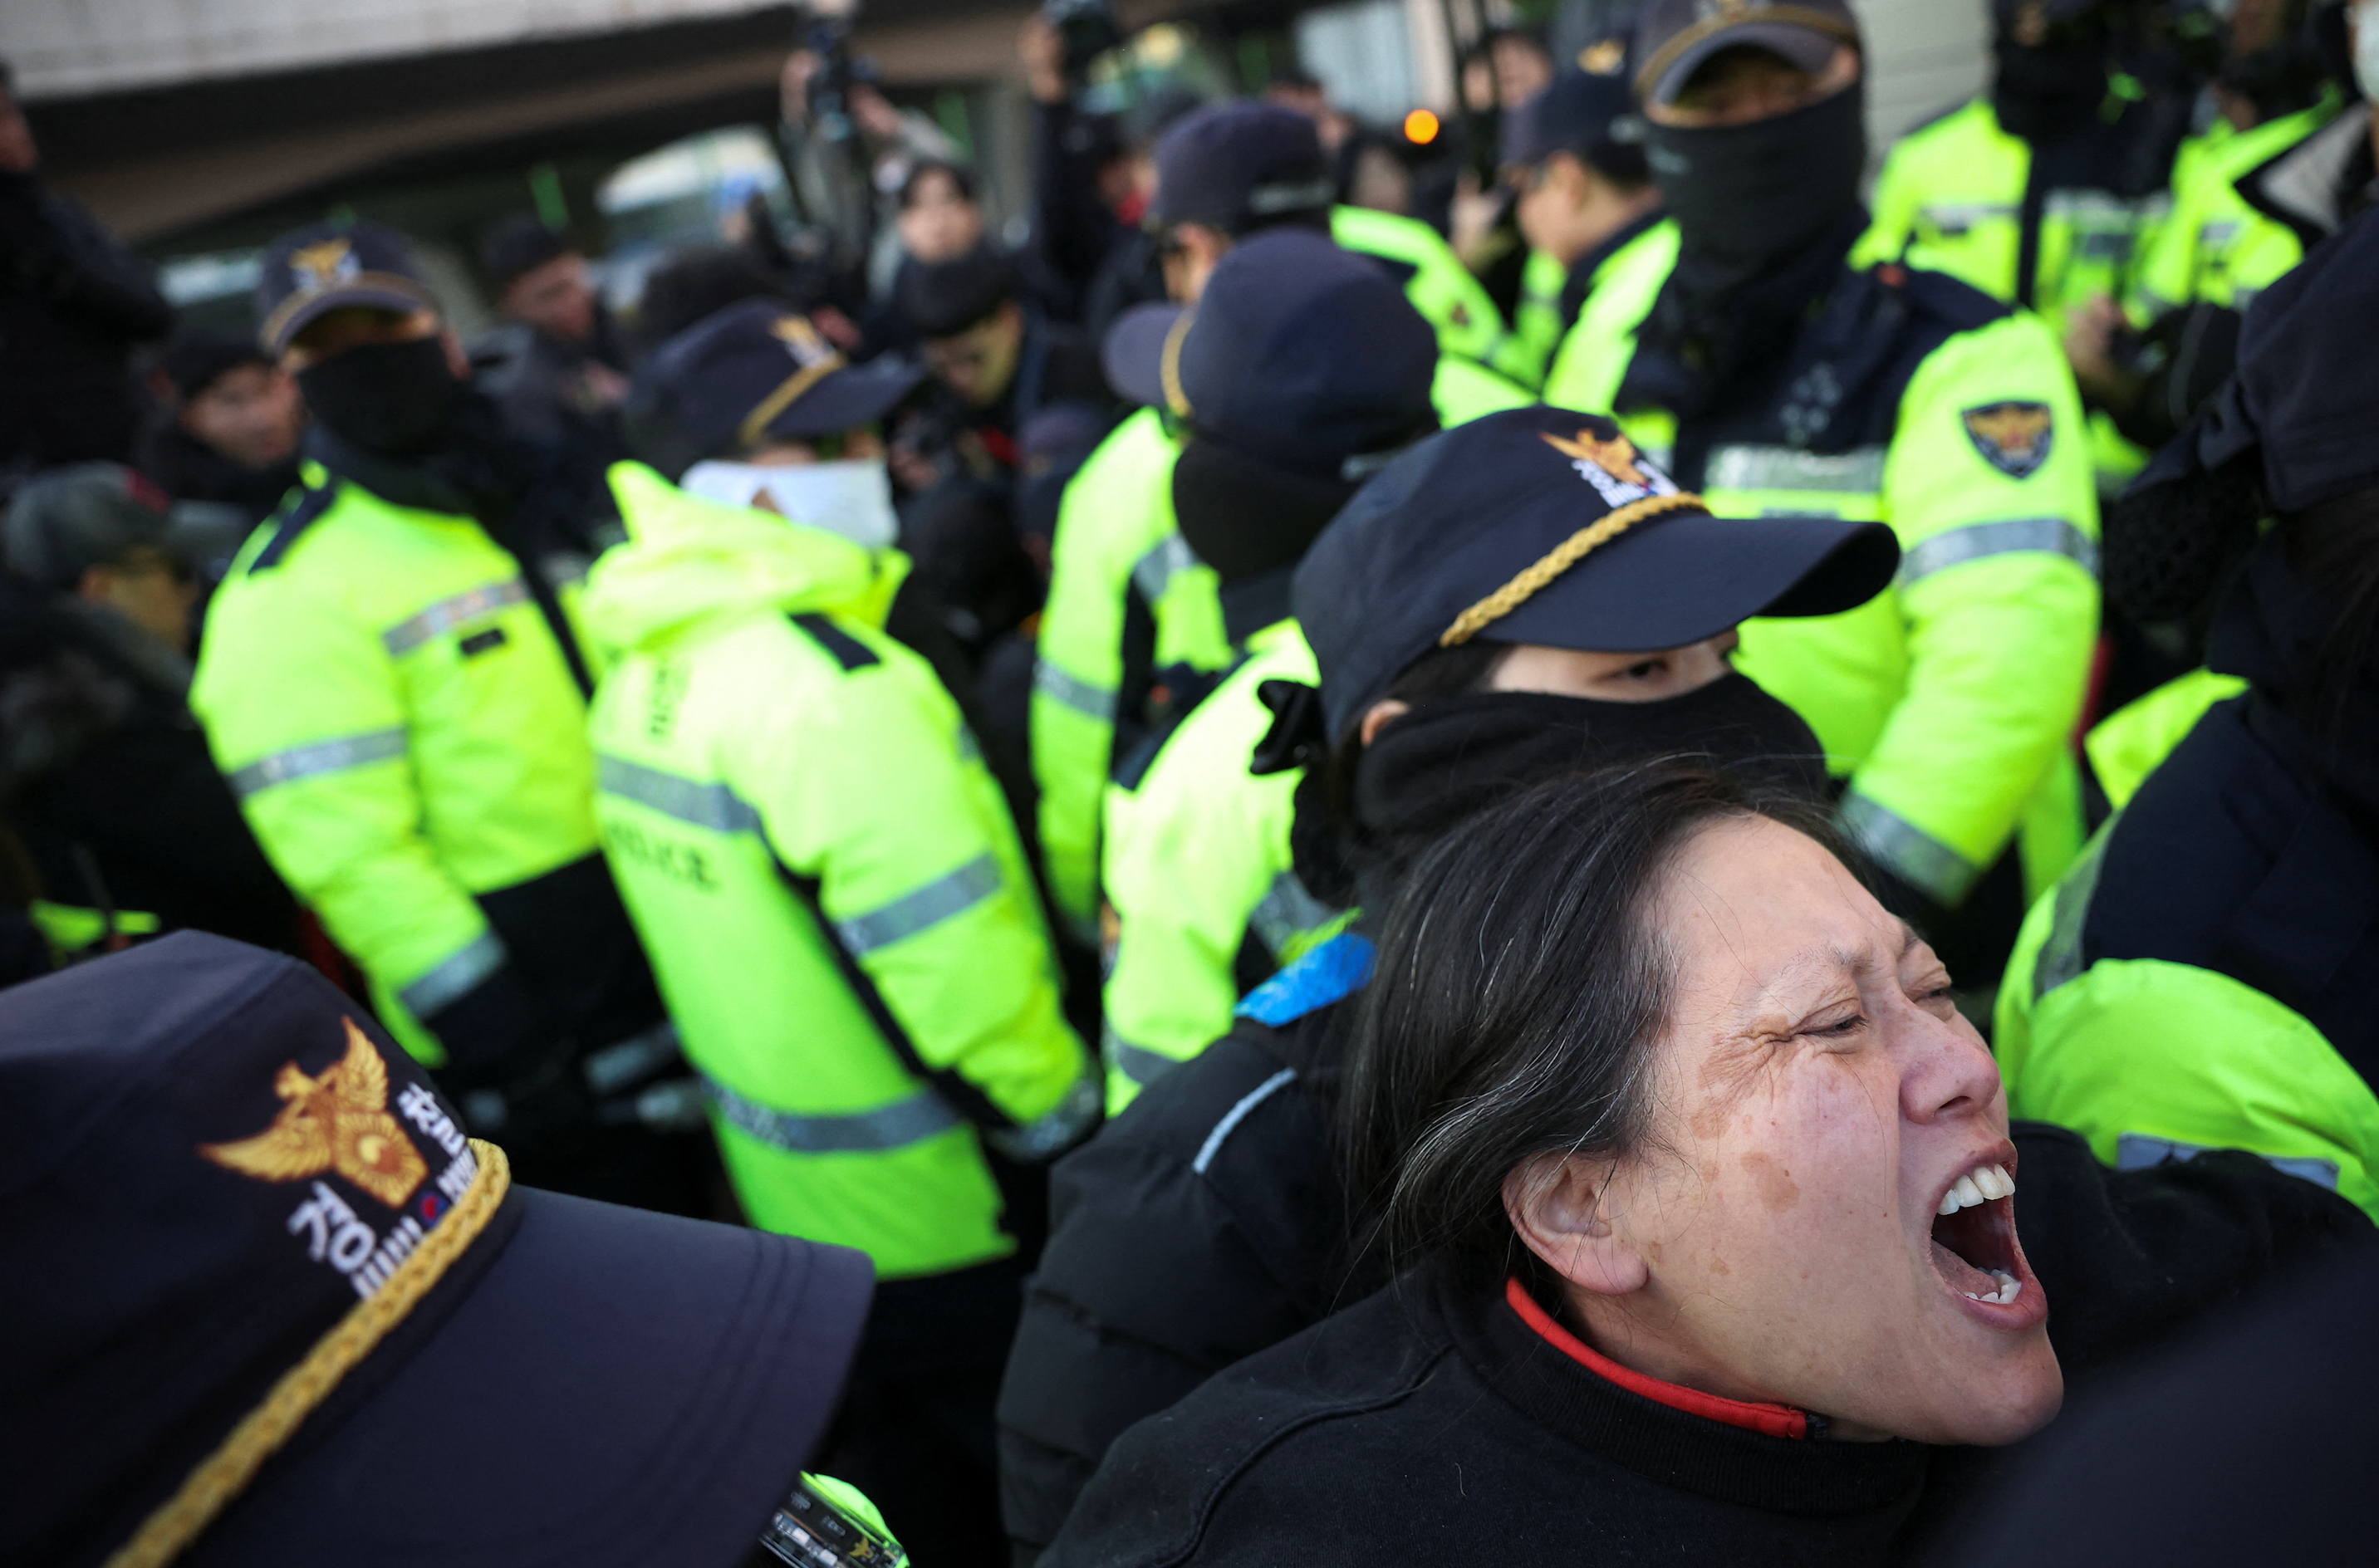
[[2009, 1287], [1978, 1185]]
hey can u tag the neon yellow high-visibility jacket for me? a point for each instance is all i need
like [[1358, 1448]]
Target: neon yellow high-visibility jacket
[[1527, 350], [2129, 744], [836, 904], [1116, 539], [1948, 702], [1197, 867], [1954, 190], [2219, 246], [403, 732], [1448, 297], [1584, 375], [2164, 997], [1950, 198]]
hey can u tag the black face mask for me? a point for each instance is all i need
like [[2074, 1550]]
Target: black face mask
[[2048, 89], [1744, 194], [1451, 757], [391, 399]]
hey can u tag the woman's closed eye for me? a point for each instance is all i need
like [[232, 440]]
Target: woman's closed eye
[[1843, 1022]]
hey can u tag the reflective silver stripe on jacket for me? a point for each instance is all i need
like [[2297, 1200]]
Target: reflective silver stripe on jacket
[[1054, 1129], [454, 975], [2060, 956], [1856, 472], [1238, 1113], [322, 757], [2038, 536], [1955, 218], [1153, 572], [1922, 861], [1287, 912], [1094, 702], [1138, 1063], [714, 806], [449, 613], [2141, 1150], [936, 902], [920, 1116]]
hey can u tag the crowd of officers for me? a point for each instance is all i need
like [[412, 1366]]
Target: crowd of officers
[[821, 754]]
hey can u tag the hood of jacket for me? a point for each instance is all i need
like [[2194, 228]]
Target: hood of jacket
[[687, 560]]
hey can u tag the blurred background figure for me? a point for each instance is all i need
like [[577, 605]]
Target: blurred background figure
[[227, 423], [72, 304], [564, 379], [105, 777]]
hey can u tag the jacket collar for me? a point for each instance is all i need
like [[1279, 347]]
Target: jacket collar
[[1691, 1450]]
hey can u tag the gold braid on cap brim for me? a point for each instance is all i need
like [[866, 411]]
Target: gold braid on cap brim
[[1558, 560], [224, 1474], [756, 424], [1168, 368]]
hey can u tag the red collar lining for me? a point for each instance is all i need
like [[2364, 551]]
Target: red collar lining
[[1776, 1420]]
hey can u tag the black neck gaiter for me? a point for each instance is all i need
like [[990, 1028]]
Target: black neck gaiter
[[389, 399], [1746, 195], [1450, 757]]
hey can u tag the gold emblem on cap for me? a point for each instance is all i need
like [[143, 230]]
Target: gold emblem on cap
[[337, 1122], [1615, 457], [1602, 59], [318, 266]]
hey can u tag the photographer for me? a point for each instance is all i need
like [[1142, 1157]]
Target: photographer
[[1092, 176], [850, 150]]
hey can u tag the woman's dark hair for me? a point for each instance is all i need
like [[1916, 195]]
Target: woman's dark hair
[[1519, 993]]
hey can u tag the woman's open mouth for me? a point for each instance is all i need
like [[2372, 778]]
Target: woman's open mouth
[[1976, 1249]]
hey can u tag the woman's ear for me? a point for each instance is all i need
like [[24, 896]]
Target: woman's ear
[[1556, 1204]]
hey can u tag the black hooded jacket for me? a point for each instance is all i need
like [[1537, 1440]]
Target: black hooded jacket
[[106, 780]]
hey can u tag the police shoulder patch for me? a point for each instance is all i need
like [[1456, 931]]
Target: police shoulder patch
[[2014, 438]]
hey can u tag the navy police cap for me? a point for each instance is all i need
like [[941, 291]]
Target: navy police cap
[[267, 1305], [1299, 353], [309, 272], [1544, 525], [1581, 112], [1240, 166], [757, 370]]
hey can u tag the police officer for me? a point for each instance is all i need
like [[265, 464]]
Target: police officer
[[1775, 378], [832, 890], [2205, 975], [2042, 192], [2290, 160], [392, 682], [1127, 600], [1587, 200], [1301, 370], [1513, 599], [2038, 192], [328, 1327]]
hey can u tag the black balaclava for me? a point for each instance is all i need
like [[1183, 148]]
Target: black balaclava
[[1766, 213], [2045, 90], [1744, 197], [389, 399], [1451, 757]]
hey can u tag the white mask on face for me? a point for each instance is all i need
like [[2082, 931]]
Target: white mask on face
[[852, 499], [2366, 48]]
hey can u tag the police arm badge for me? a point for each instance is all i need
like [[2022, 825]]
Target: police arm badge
[[2014, 438]]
